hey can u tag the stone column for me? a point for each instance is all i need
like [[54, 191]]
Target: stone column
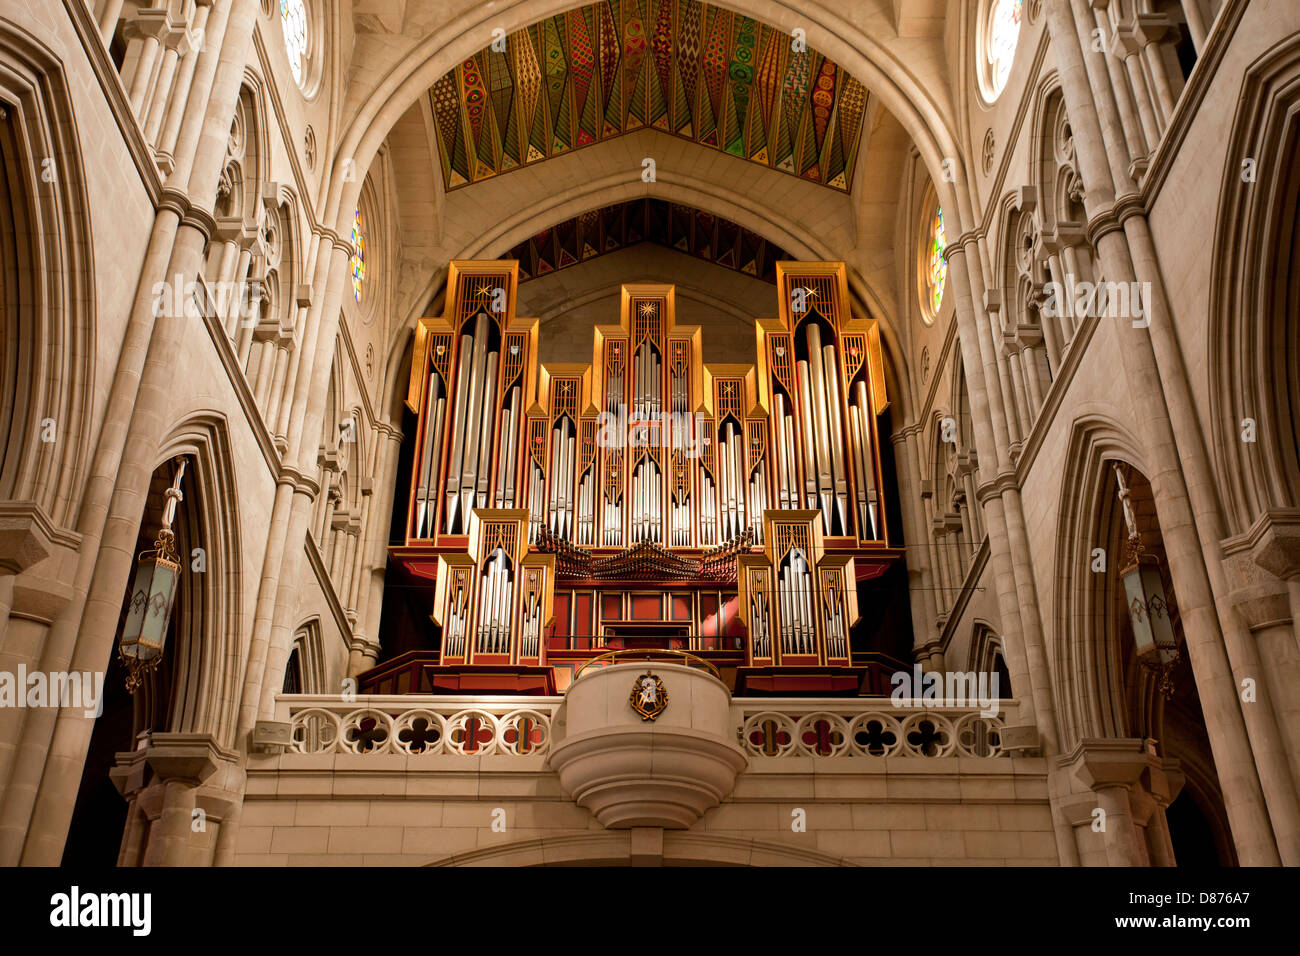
[[1263, 568], [1115, 770], [179, 764], [365, 649], [122, 468], [1092, 116]]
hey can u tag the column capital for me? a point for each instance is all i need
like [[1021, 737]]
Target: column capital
[[1103, 762]]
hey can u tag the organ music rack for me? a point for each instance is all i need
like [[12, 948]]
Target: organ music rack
[[560, 507]]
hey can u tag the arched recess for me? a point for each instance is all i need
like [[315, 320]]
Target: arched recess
[[47, 300], [987, 655], [195, 687], [1101, 689], [213, 655], [1254, 308], [613, 848], [305, 671], [1083, 665]]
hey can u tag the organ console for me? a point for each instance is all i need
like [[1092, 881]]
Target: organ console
[[561, 507]]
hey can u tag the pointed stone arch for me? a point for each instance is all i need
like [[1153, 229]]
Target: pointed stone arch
[[1254, 307], [208, 700], [1082, 672], [47, 303]]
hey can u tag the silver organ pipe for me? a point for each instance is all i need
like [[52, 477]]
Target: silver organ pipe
[[820, 417], [529, 639], [563, 441], [759, 625], [457, 610], [450, 519], [795, 590], [475, 425], [705, 434], [758, 493], [836, 639], [830, 366], [505, 495], [494, 606], [781, 455], [426, 490], [535, 500], [486, 431], [809, 451], [586, 506], [867, 487]]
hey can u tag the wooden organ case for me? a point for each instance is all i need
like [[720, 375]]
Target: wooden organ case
[[645, 500]]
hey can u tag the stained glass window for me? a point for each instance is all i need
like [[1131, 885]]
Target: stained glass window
[[1004, 31], [293, 22], [937, 270], [359, 257]]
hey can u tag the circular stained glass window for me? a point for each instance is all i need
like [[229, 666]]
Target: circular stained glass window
[[1001, 38], [358, 257], [293, 23], [936, 267]]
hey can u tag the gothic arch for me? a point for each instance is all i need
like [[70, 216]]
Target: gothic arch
[[47, 300], [207, 700], [1083, 677], [307, 643], [1254, 308]]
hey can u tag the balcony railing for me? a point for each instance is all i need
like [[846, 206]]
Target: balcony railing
[[414, 725], [866, 727]]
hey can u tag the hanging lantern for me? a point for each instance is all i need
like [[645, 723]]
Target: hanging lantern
[[152, 596], [1148, 608]]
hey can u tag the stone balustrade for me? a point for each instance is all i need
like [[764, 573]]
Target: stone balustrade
[[415, 726], [771, 727], [800, 727]]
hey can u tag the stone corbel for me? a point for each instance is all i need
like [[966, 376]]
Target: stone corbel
[[27, 536], [1139, 29], [237, 230], [329, 459], [1272, 543]]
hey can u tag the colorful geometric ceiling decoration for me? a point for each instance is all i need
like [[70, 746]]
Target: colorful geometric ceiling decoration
[[680, 66], [688, 230]]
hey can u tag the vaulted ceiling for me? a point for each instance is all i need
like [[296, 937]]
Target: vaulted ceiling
[[685, 229], [681, 66]]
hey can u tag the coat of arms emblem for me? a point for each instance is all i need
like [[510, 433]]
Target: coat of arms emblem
[[649, 696]]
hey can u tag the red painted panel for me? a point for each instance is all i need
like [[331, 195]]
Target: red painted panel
[[647, 607], [582, 613], [561, 608], [611, 607], [708, 614]]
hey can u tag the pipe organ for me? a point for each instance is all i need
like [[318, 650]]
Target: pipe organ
[[645, 499]]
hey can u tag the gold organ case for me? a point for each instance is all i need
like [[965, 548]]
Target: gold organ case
[[645, 502]]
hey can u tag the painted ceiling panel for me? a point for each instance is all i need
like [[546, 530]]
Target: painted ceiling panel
[[681, 66]]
